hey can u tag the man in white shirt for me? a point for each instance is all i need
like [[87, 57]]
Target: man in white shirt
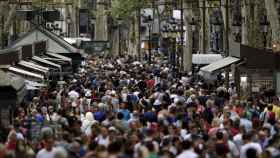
[[188, 151], [48, 151], [249, 147]]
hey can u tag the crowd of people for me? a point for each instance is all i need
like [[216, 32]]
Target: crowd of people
[[120, 108]]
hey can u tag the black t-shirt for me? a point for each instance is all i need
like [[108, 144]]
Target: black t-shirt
[[221, 149]]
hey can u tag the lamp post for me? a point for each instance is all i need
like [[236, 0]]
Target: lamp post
[[173, 30], [149, 20], [68, 21], [264, 29], [193, 25], [119, 34], [164, 32], [170, 30], [217, 29], [92, 23]]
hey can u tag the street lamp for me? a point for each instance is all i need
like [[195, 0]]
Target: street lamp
[[171, 29], [92, 23], [264, 29], [193, 25], [217, 29], [68, 21], [149, 21]]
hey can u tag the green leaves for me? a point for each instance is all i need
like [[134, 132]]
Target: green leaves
[[125, 8]]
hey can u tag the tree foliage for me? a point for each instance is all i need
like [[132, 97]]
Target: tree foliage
[[126, 8]]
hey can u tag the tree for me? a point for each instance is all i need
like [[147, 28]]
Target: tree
[[7, 15], [129, 12], [273, 17], [252, 11]]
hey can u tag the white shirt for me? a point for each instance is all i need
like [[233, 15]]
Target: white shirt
[[103, 141], [73, 94], [188, 154], [247, 146], [43, 153], [237, 139], [233, 148]]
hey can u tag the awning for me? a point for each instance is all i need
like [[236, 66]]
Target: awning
[[25, 73], [29, 87], [219, 64], [34, 84], [33, 66], [38, 59], [205, 59], [64, 58], [36, 65]]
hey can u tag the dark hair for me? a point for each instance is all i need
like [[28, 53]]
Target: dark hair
[[251, 153], [186, 144], [120, 116], [247, 136], [269, 107], [219, 135], [115, 147]]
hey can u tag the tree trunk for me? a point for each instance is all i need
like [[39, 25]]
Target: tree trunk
[[136, 34], [115, 42], [7, 16], [188, 48], [132, 37], [101, 31], [230, 22], [207, 26], [10, 18], [252, 11], [273, 18], [72, 11]]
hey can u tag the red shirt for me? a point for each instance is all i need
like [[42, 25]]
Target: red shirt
[[11, 145], [150, 83]]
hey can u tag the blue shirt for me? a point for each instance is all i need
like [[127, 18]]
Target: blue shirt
[[125, 113], [99, 116]]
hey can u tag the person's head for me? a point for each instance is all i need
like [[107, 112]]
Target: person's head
[[104, 131], [251, 153], [270, 107], [44, 110], [220, 135], [167, 154], [89, 116], [120, 116], [47, 136], [134, 139], [247, 137], [186, 144], [115, 147], [261, 135], [12, 137], [60, 153], [75, 147], [34, 112]]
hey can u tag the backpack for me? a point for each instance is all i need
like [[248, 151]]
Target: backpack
[[271, 117]]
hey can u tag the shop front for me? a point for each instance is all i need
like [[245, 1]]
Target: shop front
[[253, 70]]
